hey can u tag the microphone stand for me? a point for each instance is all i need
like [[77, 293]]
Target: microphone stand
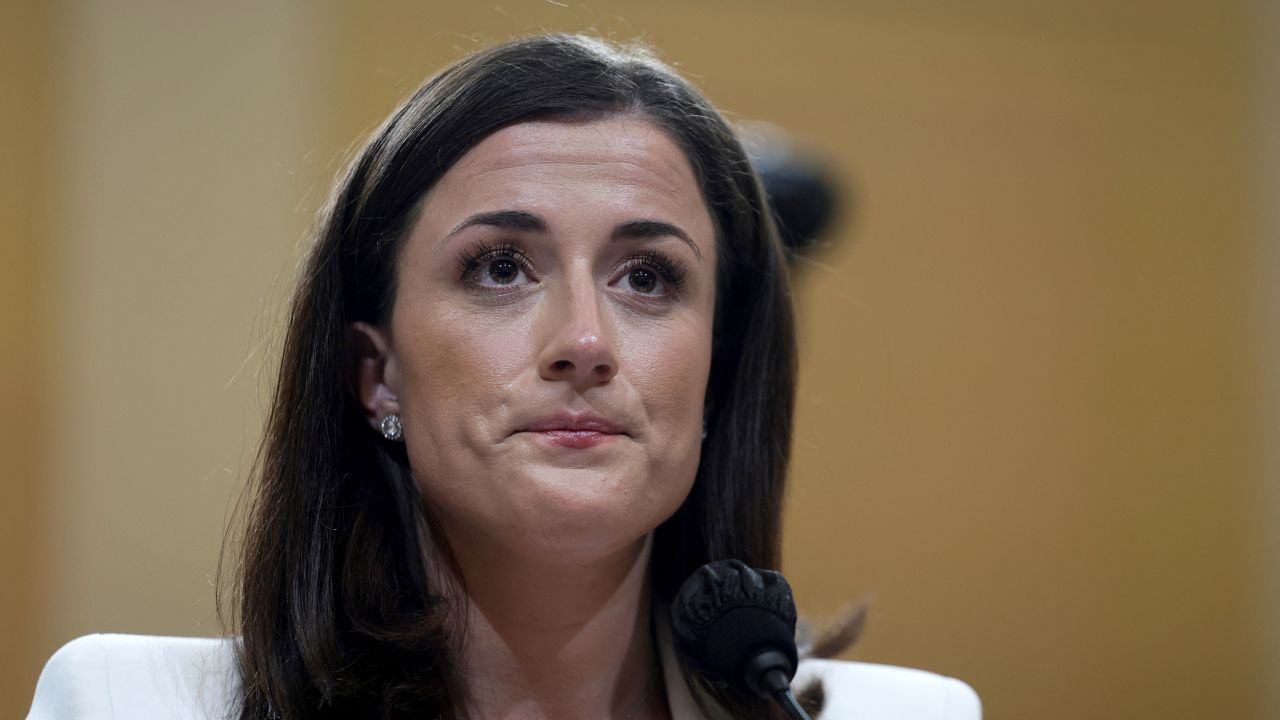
[[768, 678], [785, 700]]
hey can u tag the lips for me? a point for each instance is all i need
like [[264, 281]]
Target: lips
[[572, 422], [574, 430]]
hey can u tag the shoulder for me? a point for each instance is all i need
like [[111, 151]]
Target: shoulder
[[97, 677], [871, 692]]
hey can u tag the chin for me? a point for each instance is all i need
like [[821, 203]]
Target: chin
[[585, 515]]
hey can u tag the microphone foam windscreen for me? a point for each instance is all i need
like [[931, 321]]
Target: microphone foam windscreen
[[726, 612]]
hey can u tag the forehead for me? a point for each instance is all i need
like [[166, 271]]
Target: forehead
[[537, 162]]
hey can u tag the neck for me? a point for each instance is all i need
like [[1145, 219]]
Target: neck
[[555, 640]]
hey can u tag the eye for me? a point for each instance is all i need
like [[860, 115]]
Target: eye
[[494, 266], [501, 271], [653, 274], [643, 280]]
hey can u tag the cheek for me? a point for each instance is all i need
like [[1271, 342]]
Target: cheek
[[454, 371], [670, 376], [670, 372], [446, 360], [454, 375]]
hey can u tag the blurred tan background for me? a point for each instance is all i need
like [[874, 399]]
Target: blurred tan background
[[1039, 403]]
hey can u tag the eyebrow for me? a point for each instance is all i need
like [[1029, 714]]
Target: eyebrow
[[504, 219], [646, 229], [525, 221]]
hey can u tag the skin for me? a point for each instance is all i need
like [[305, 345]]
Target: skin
[[552, 542]]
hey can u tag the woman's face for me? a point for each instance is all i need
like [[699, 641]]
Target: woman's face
[[550, 340]]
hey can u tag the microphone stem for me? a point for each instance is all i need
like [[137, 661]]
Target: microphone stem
[[777, 681], [790, 707]]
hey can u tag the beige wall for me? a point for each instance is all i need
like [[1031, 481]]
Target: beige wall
[[24, 381], [1265, 283], [186, 149], [1029, 425]]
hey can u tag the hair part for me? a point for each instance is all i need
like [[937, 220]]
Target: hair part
[[337, 613]]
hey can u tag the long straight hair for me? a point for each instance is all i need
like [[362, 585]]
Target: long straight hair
[[336, 614]]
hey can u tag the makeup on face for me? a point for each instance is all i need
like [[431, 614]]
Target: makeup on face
[[551, 335]]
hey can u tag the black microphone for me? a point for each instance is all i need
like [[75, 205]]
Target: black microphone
[[737, 626]]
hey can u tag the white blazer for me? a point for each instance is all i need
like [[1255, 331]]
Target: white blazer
[[110, 677]]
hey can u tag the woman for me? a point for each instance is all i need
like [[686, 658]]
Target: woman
[[539, 368]]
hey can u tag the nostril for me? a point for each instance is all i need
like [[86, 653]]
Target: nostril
[[561, 365]]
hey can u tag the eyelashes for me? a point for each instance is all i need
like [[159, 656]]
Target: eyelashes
[[668, 268], [479, 255]]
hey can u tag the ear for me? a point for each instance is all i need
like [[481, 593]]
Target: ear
[[372, 372]]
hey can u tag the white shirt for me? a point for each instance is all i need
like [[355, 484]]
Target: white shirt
[[114, 677]]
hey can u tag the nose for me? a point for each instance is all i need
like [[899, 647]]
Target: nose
[[581, 345]]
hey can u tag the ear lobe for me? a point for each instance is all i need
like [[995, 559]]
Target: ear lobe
[[369, 354]]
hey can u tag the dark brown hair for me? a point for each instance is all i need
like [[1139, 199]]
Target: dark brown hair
[[336, 614]]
